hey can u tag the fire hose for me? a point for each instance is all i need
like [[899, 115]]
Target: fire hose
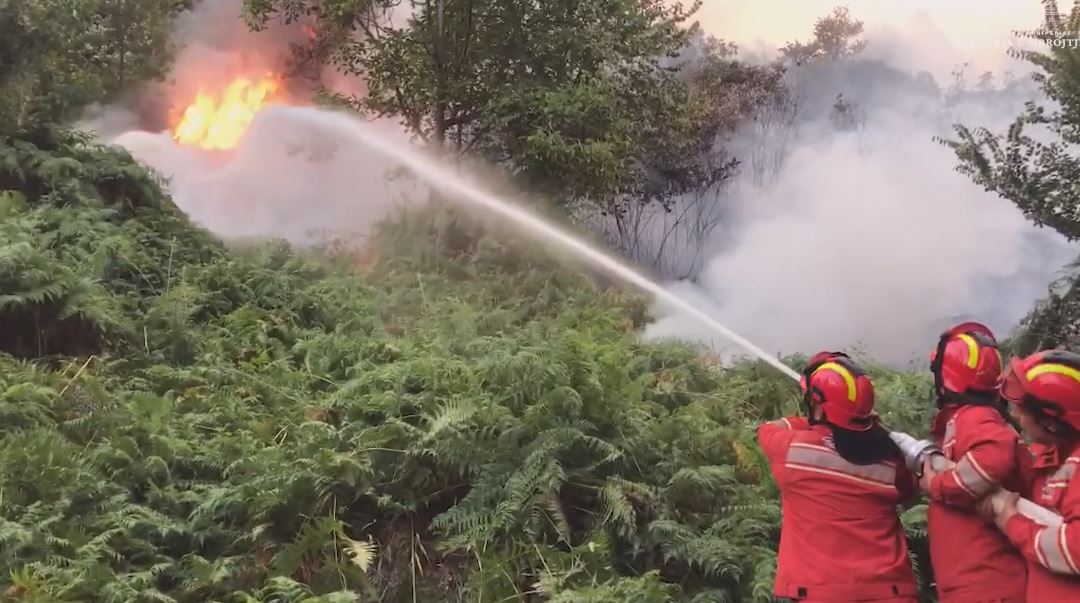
[[916, 452]]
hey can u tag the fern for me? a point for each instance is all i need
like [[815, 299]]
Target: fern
[[190, 423]]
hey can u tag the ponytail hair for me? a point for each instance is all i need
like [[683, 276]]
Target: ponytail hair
[[865, 447]]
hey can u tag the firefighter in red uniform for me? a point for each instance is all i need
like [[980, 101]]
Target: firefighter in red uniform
[[1044, 393], [973, 561], [841, 479]]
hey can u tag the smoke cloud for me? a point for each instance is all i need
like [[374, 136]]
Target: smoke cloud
[[846, 230], [282, 180], [864, 238]]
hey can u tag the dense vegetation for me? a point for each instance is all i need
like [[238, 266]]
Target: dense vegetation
[[445, 415], [460, 421]]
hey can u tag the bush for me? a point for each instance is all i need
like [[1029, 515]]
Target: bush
[[463, 420]]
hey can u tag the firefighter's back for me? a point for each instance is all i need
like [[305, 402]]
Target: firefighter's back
[[841, 478], [842, 539]]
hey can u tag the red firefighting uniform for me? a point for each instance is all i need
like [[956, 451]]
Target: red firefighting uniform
[[973, 561], [1053, 554], [841, 540]]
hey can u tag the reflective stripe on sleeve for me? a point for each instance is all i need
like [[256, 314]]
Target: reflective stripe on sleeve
[[820, 459], [1052, 552], [972, 478]]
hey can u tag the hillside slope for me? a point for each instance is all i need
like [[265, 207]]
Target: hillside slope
[[461, 420]]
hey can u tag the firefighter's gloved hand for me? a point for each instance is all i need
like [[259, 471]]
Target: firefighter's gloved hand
[[986, 508], [1008, 509], [928, 474]]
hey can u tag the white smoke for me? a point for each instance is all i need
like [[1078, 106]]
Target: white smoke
[[280, 180], [867, 238], [871, 243]]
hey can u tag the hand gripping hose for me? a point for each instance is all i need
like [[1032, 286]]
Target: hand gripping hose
[[917, 451]]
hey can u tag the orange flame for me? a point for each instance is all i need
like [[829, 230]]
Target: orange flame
[[219, 121]]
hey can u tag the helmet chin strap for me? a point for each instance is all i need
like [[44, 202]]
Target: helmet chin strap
[[935, 369], [813, 397], [1049, 423]]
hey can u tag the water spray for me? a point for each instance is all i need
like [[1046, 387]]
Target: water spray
[[444, 178], [915, 452]]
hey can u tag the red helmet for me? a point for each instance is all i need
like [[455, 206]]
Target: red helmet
[[843, 390], [966, 361], [1046, 383]]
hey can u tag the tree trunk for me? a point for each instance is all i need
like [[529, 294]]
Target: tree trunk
[[440, 64], [122, 42]]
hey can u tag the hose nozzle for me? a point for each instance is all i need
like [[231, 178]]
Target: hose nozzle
[[915, 451]]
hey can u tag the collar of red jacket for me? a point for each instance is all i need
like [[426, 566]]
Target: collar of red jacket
[[941, 420], [1050, 456]]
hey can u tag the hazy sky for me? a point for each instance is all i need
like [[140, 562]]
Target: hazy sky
[[929, 34]]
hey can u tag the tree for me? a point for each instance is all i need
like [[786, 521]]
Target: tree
[[670, 237], [37, 73], [1041, 178], [835, 38], [133, 39], [570, 96], [59, 55], [612, 108], [845, 114], [1039, 173], [456, 60]]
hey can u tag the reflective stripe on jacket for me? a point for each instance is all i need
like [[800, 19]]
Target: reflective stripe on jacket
[[841, 539], [1053, 554], [973, 561]]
